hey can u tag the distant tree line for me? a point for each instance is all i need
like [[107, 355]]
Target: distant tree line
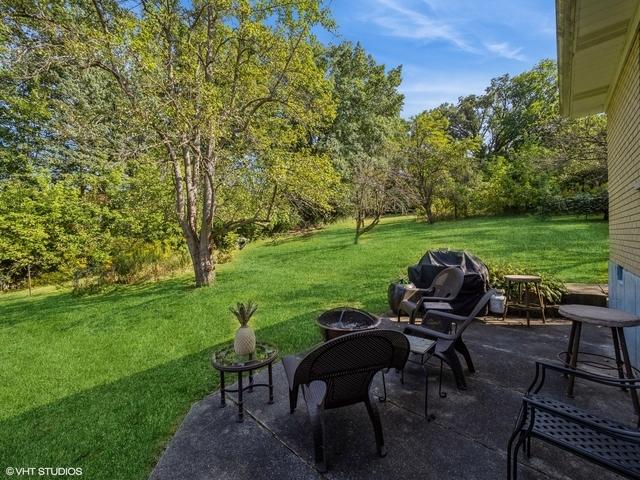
[[505, 151], [138, 139]]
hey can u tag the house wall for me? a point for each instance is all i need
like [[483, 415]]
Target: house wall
[[624, 294], [623, 115]]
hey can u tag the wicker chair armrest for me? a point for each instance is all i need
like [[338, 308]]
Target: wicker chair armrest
[[424, 332], [414, 293], [445, 316], [437, 299], [424, 291], [624, 434]]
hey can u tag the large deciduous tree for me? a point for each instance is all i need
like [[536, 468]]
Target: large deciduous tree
[[437, 163], [208, 86], [364, 136]]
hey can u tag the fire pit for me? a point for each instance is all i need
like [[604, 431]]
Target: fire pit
[[343, 320]]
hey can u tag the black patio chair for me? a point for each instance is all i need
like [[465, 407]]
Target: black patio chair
[[445, 287], [339, 373], [449, 339], [607, 443]]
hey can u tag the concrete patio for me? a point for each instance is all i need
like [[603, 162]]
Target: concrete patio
[[467, 440]]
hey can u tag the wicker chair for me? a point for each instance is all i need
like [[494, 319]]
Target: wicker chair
[[449, 340], [445, 287], [604, 442], [339, 373]]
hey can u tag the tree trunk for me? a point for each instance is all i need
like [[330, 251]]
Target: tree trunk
[[362, 228], [359, 225], [29, 278], [431, 219], [187, 177], [203, 263]]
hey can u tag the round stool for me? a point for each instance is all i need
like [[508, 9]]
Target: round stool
[[523, 284]]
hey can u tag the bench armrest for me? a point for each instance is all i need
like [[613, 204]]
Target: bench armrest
[[542, 367]]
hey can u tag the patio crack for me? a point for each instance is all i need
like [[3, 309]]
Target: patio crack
[[277, 437]]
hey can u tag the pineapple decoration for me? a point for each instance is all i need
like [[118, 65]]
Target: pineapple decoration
[[245, 341]]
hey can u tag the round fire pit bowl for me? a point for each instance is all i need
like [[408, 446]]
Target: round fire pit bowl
[[343, 320]]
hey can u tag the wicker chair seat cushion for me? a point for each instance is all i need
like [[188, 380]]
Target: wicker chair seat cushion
[[290, 364]]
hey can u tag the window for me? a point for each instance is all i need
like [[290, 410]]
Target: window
[[619, 273]]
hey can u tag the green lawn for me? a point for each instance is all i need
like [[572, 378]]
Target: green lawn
[[101, 382]]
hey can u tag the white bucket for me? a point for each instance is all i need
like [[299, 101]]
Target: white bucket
[[496, 304]]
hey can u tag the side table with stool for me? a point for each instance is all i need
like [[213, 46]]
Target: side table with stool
[[523, 285]]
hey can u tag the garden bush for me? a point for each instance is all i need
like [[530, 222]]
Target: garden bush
[[583, 203]]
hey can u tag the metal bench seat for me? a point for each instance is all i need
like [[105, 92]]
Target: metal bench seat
[[551, 424], [603, 441]]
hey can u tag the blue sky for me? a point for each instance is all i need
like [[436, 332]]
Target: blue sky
[[448, 48]]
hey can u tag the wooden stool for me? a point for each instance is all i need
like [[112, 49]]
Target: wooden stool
[[526, 283]]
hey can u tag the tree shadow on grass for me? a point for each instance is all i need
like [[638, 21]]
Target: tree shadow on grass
[[119, 429], [118, 305], [24, 309]]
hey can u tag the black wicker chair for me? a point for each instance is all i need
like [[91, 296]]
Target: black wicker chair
[[607, 443], [445, 287], [449, 340], [339, 373]]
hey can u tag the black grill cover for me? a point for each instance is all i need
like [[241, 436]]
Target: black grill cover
[[476, 276]]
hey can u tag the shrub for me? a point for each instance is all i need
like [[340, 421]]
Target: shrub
[[582, 203], [225, 245], [91, 280], [130, 261]]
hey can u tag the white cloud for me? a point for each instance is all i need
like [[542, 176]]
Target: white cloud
[[433, 20], [400, 21], [529, 14], [505, 50]]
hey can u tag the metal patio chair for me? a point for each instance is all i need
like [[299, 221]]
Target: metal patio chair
[[445, 287], [339, 373], [607, 443], [449, 339]]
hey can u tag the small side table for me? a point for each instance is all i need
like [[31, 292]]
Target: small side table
[[616, 320], [225, 359], [424, 349], [523, 284]]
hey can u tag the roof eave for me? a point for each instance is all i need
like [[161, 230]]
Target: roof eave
[[565, 30]]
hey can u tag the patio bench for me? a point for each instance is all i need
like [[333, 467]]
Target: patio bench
[[607, 443]]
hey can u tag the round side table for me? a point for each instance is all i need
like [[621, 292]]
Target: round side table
[[523, 284], [614, 319], [225, 359]]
